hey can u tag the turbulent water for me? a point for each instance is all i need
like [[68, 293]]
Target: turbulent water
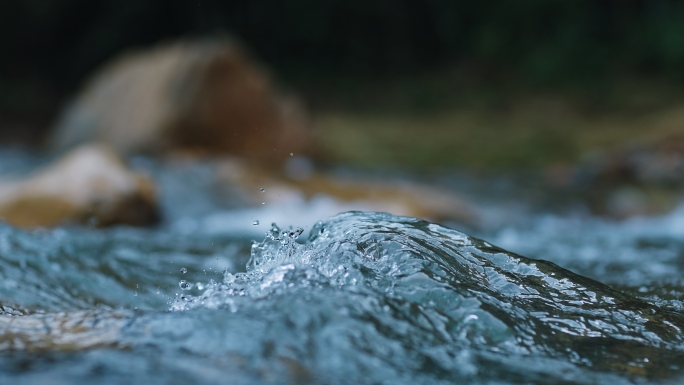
[[366, 298]]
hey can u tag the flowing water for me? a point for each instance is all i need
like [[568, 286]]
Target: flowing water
[[360, 298]]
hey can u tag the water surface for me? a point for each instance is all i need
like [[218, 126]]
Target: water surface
[[358, 298]]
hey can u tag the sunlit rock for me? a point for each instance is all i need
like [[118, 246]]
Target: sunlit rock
[[198, 95], [61, 331], [90, 185], [300, 183]]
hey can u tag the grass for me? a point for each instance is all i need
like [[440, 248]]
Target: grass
[[495, 131]]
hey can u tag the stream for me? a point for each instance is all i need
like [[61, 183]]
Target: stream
[[219, 295]]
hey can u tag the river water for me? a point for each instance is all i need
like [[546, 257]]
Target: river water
[[357, 298]]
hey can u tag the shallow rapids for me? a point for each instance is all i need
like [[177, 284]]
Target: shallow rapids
[[365, 298]]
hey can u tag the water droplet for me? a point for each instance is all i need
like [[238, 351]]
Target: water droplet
[[93, 221], [200, 286], [185, 285], [295, 233], [263, 203], [183, 270], [291, 154], [255, 222], [262, 189]]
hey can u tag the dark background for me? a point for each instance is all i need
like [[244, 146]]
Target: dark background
[[329, 49]]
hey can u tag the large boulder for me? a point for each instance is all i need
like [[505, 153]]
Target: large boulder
[[199, 95], [90, 185]]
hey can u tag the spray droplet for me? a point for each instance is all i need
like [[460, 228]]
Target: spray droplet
[[255, 222], [295, 233], [263, 203], [291, 154], [183, 270], [185, 285], [262, 189]]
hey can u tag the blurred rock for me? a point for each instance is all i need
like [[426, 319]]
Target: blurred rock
[[299, 181], [64, 331], [90, 185], [627, 202], [643, 179], [197, 95], [656, 163]]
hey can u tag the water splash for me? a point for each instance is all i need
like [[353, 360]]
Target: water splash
[[416, 299], [366, 298]]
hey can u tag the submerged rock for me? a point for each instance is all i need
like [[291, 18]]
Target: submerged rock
[[61, 331], [90, 185], [201, 95]]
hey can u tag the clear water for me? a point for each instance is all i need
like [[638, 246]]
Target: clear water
[[359, 298]]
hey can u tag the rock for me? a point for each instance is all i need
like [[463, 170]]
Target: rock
[[198, 95], [89, 185], [657, 163], [400, 197], [643, 179], [66, 331]]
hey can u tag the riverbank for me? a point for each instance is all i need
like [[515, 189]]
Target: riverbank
[[440, 123]]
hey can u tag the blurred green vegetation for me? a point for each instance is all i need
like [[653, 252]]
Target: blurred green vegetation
[[406, 62], [540, 41], [439, 123]]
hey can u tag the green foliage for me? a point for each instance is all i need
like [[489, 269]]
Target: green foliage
[[51, 45], [535, 39]]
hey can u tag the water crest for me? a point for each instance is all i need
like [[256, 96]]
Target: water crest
[[366, 298], [389, 298]]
